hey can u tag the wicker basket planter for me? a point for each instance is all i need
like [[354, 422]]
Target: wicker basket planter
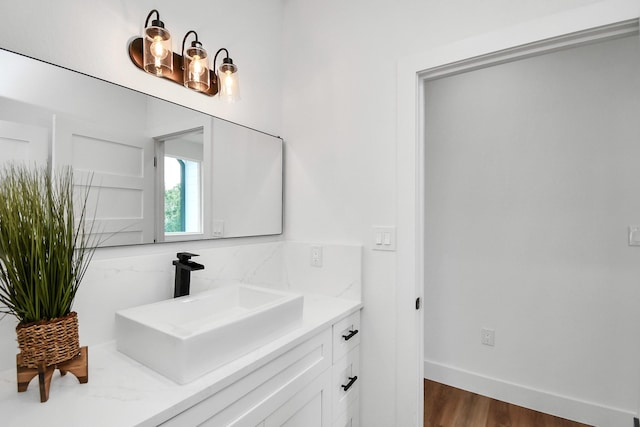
[[49, 341], [48, 345], [45, 249]]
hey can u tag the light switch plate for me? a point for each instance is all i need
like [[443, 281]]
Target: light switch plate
[[384, 238], [218, 228]]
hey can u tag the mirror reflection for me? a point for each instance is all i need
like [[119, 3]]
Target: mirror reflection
[[159, 172], [182, 179]]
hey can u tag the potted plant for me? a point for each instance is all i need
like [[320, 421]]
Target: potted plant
[[45, 250]]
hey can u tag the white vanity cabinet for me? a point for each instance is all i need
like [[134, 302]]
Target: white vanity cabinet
[[296, 380], [307, 386], [346, 371]]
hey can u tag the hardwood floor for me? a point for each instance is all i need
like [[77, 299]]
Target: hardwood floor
[[446, 406]]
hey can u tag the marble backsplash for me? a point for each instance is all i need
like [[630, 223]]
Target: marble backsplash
[[116, 282], [339, 276]]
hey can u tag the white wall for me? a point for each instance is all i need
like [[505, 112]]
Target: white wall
[[339, 123]]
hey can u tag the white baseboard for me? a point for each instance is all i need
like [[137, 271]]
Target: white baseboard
[[562, 406]]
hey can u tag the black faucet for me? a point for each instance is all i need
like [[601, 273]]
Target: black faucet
[[184, 267]]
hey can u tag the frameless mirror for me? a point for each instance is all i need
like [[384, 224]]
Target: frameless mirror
[[159, 172]]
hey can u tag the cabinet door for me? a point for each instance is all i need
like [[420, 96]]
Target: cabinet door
[[346, 385], [311, 407], [254, 397]]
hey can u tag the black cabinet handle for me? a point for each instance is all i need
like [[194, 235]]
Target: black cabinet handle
[[348, 385], [350, 335]]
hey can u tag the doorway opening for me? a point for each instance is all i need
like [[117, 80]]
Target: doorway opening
[[528, 176], [592, 21], [179, 170]]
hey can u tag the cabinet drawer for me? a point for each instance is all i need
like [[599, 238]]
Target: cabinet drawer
[[350, 417], [346, 335], [346, 381]]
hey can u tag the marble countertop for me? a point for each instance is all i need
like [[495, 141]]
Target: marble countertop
[[122, 392]]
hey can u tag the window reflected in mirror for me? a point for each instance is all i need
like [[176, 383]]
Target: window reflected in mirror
[[181, 196], [181, 166]]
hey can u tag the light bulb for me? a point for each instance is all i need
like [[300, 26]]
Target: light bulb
[[157, 50], [228, 82], [196, 68]]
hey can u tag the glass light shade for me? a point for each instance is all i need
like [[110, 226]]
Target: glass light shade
[[196, 68], [228, 86], [157, 54]]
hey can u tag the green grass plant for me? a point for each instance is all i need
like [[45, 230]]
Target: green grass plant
[[45, 247]]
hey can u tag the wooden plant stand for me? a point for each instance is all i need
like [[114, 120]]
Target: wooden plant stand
[[78, 366]]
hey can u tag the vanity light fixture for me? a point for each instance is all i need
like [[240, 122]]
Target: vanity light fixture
[[227, 78], [195, 65], [153, 53], [157, 54]]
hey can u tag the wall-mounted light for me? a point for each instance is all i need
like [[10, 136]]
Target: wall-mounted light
[[195, 65], [153, 53], [157, 54], [227, 78]]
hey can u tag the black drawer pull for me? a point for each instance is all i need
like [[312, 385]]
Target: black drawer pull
[[351, 335], [352, 380]]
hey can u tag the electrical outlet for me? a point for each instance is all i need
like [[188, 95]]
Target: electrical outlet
[[316, 256], [488, 337]]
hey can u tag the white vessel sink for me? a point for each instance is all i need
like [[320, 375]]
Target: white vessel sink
[[187, 337]]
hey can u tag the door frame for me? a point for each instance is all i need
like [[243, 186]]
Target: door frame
[[600, 20]]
